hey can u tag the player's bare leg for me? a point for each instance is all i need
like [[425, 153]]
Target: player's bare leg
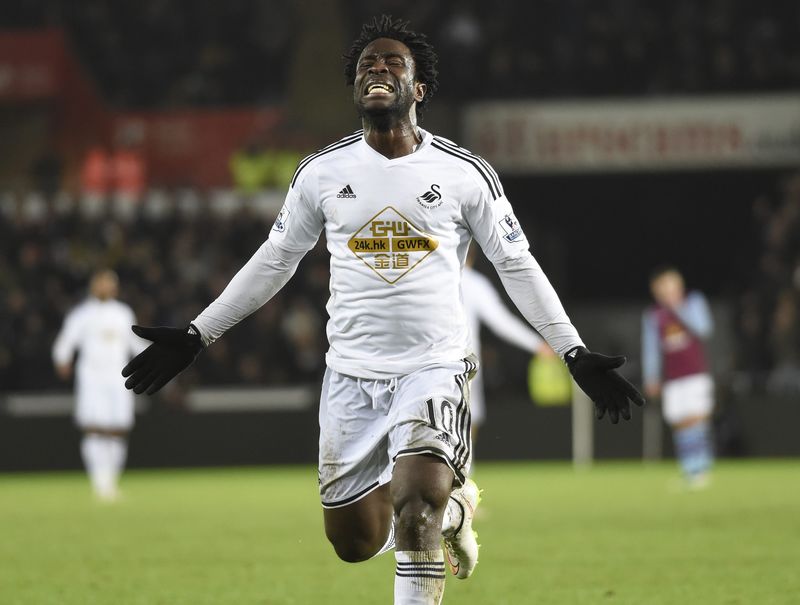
[[361, 530], [409, 509], [420, 490], [420, 485]]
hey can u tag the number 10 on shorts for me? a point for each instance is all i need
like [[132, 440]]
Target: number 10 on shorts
[[441, 414]]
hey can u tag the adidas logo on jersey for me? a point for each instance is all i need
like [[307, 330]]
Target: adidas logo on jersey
[[346, 191]]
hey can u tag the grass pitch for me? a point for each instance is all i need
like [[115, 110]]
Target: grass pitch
[[615, 534]]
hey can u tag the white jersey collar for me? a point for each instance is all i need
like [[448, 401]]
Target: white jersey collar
[[427, 137]]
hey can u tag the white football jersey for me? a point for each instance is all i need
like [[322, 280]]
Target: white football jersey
[[397, 231], [101, 332]]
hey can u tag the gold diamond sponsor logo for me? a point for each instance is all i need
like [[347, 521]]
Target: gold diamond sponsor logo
[[391, 245]]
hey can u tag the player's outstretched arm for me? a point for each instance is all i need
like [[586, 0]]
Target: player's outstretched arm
[[596, 374], [173, 350]]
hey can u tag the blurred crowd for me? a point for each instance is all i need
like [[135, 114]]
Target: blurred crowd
[[176, 250], [623, 47], [240, 51], [768, 322], [156, 53], [174, 253]]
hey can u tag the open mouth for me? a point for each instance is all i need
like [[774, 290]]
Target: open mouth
[[379, 88]]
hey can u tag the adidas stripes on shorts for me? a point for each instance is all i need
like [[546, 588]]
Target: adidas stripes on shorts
[[365, 425]]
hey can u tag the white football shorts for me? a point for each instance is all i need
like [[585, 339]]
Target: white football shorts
[[688, 397], [103, 402], [366, 425]]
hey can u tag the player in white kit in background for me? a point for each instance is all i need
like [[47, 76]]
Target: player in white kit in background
[[399, 207], [98, 330], [485, 307]]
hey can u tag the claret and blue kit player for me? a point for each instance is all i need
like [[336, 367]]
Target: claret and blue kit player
[[674, 365]]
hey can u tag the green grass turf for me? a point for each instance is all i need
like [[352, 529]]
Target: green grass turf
[[615, 534]]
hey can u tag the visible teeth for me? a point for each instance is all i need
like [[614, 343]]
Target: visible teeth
[[373, 87]]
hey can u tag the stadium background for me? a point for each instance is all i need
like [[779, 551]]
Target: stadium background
[[628, 133]]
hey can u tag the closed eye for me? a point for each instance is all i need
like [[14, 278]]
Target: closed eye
[[392, 60]]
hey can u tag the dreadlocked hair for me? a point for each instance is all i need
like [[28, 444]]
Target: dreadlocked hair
[[422, 51]]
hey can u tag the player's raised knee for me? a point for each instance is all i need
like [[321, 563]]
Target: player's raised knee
[[353, 549]]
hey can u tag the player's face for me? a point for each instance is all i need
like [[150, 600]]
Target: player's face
[[384, 81], [668, 289], [105, 286]]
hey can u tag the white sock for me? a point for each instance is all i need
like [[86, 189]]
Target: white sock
[[453, 516], [419, 577], [117, 451], [95, 459], [389, 541]]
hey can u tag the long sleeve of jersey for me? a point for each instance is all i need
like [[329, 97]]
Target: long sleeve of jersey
[[493, 225], [500, 320], [695, 315], [529, 288], [266, 272], [651, 349], [66, 342]]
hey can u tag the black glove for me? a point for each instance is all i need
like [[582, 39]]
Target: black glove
[[173, 350], [596, 375]]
